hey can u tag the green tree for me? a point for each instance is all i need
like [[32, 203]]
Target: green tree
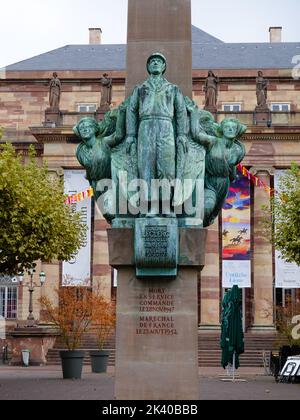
[[35, 222], [285, 212]]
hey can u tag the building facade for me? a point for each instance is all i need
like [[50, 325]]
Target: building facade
[[272, 144]]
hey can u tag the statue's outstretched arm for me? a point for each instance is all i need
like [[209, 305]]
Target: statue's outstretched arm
[[198, 134]]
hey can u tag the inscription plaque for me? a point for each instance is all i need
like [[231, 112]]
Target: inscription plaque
[[156, 247]]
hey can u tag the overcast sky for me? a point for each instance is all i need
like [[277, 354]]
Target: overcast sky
[[32, 27]]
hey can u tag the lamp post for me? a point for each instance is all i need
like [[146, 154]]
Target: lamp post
[[31, 285]]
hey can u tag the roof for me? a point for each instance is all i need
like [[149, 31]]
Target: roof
[[201, 37], [245, 56], [208, 53]]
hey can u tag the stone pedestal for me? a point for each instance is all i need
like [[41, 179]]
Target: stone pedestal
[[157, 322], [38, 340], [53, 117], [262, 116]]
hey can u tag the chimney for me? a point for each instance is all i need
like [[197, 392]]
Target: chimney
[[95, 35], [275, 34]]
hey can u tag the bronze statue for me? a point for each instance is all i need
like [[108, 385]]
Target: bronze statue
[[159, 135], [157, 126], [54, 92], [106, 92], [261, 91], [211, 91]]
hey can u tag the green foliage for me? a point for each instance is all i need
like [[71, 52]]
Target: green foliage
[[284, 317], [285, 212], [35, 222]]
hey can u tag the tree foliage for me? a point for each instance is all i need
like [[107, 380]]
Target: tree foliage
[[103, 318], [72, 316], [284, 322], [285, 212], [35, 222], [78, 309]]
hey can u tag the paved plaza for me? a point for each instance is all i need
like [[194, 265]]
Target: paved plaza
[[45, 383]]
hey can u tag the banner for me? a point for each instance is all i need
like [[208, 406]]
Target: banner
[[236, 235], [77, 271], [287, 275]]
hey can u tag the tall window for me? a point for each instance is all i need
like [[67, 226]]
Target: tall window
[[232, 107], [86, 107], [8, 302], [280, 107]]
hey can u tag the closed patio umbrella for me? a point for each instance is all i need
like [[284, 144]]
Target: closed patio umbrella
[[232, 336]]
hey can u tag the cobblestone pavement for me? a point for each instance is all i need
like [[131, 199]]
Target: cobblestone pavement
[[46, 383]]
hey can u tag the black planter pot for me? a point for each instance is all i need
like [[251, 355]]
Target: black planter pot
[[72, 362], [99, 361]]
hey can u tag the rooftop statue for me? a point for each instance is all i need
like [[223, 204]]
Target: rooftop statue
[[211, 91], [54, 92], [261, 91], [106, 92], [158, 134]]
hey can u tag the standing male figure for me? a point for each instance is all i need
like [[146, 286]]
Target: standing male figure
[[157, 125]]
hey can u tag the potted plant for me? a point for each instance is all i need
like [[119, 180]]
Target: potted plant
[[72, 316], [104, 320]]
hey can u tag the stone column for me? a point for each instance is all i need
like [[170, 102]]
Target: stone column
[[157, 323], [210, 282], [160, 26], [101, 268], [263, 302]]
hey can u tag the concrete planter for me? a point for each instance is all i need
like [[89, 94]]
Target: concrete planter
[[99, 361], [72, 362]]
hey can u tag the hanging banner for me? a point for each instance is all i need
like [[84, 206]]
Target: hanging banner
[[77, 271], [236, 235], [287, 275]]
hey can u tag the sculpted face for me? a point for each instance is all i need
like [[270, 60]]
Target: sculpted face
[[230, 130], [156, 66], [86, 130]]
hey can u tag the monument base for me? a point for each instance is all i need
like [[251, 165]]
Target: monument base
[[262, 116], [52, 118], [157, 322]]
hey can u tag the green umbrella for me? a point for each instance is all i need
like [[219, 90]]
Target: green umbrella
[[232, 336]]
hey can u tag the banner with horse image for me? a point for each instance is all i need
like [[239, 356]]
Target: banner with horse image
[[236, 235]]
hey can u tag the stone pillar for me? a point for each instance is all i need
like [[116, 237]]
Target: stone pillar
[[157, 323], [263, 302], [52, 271], [160, 26], [101, 268], [210, 282]]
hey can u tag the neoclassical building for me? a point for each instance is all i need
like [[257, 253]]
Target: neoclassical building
[[272, 144]]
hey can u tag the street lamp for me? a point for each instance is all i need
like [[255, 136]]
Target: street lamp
[[31, 285]]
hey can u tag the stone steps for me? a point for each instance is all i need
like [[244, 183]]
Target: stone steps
[[209, 349]]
